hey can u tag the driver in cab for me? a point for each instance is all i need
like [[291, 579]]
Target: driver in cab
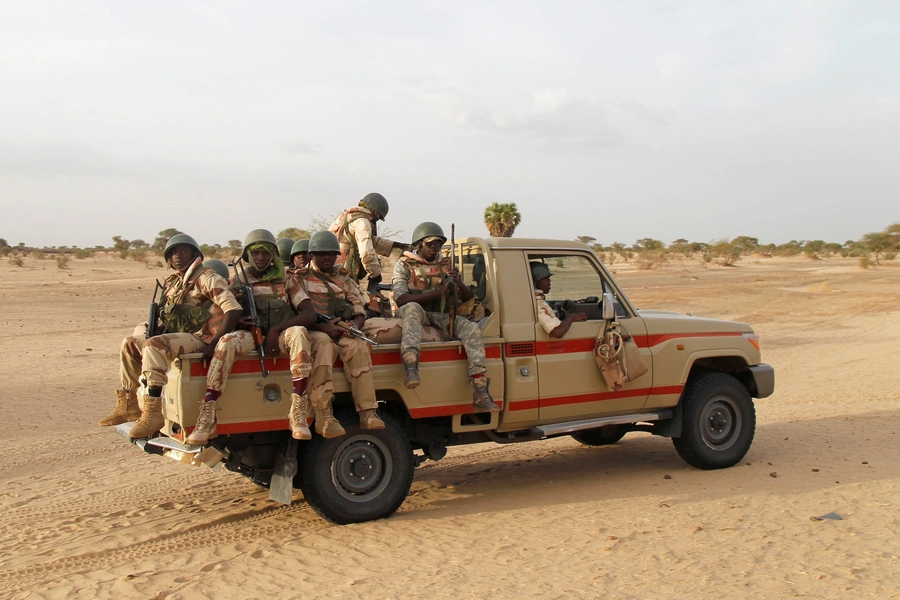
[[556, 328]]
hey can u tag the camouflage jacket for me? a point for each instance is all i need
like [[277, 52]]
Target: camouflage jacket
[[545, 315], [332, 293], [414, 275], [203, 290], [360, 243]]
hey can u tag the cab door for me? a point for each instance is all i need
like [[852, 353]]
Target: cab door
[[570, 384]]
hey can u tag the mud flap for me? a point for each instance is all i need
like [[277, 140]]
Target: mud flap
[[281, 487]]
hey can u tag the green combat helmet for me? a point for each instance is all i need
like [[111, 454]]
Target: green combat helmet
[[377, 204], [426, 230], [284, 246], [256, 236], [298, 247], [181, 238], [324, 241], [218, 266], [539, 270]]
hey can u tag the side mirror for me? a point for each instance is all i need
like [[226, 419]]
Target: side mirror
[[608, 307]]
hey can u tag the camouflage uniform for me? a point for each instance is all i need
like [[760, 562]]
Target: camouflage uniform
[[293, 341], [354, 352], [201, 288], [360, 243], [546, 317], [412, 274]]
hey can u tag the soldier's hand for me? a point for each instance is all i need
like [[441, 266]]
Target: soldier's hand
[[208, 350], [272, 343], [246, 323], [332, 330], [578, 317]]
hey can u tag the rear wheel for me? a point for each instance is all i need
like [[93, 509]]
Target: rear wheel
[[602, 436], [361, 476], [719, 422]]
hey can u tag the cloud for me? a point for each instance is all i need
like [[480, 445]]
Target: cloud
[[552, 118]]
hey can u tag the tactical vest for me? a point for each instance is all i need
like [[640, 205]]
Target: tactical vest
[[426, 277], [178, 317], [271, 304], [350, 258], [321, 292]]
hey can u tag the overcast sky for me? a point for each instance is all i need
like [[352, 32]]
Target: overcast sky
[[619, 120]]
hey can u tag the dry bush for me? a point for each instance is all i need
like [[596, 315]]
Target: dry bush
[[62, 261], [865, 262], [16, 261], [38, 254], [83, 253], [890, 255], [649, 259]]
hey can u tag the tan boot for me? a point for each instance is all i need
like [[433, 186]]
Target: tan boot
[[297, 417], [127, 409], [151, 421], [326, 425], [481, 397], [206, 424], [368, 419]]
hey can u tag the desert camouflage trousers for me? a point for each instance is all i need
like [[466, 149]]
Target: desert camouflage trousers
[[414, 317], [357, 359], [293, 342], [151, 358]]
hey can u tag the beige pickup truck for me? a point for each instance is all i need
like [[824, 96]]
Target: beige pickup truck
[[703, 374]]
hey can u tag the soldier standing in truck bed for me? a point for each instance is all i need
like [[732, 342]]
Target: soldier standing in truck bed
[[420, 287], [335, 294], [196, 311], [284, 312], [357, 232]]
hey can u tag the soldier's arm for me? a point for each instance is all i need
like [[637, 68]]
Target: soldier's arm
[[362, 232], [400, 285], [357, 300]]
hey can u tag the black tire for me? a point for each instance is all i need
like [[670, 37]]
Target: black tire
[[383, 464], [602, 436], [719, 422]]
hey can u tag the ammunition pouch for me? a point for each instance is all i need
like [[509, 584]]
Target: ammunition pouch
[[181, 318], [272, 312]]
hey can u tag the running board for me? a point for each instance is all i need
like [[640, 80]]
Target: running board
[[573, 426], [164, 442]]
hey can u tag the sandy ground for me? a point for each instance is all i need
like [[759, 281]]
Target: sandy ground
[[85, 515]]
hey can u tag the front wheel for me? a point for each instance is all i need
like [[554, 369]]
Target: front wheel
[[602, 436], [361, 476], [719, 422]]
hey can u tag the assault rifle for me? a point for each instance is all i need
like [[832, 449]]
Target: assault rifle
[[354, 331], [153, 319], [451, 301], [256, 327]]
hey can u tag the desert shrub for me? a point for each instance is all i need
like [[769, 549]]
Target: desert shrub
[[649, 259], [83, 253], [39, 255], [62, 261], [16, 261], [560, 264], [725, 252], [5, 250], [139, 255], [865, 262], [890, 255]]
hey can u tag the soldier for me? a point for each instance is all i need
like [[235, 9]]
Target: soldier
[[335, 294], [284, 246], [357, 233], [197, 311], [277, 298], [218, 266], [422, 282], [300, 254], [540, 274]]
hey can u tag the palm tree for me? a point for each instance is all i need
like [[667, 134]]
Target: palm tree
[[502, 219]]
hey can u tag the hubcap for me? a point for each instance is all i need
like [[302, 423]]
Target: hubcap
[[720, 422], [361, 468]]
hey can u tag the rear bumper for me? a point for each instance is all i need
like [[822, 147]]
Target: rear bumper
[[763, 380]]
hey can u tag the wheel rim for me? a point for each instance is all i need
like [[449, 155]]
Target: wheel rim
[[720, 423], [361, 468]]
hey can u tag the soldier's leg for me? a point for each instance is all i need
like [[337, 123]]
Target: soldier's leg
[[321, 387], [230, 346], [294, 342], [358, 370], [156, 356], [127, 407], [470, 335], [413, 319]]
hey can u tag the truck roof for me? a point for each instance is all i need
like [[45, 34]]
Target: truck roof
[[529, 243]]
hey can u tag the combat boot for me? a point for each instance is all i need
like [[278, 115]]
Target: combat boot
[[411, 375], [206, 424], [152, 419], [481, 397], [127, 409], [326, 425], [297, 417], [368, 419]]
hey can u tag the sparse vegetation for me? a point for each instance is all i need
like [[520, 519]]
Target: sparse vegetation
[[62, 261], [16, 261]]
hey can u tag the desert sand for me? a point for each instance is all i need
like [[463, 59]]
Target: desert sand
[[85, 515]]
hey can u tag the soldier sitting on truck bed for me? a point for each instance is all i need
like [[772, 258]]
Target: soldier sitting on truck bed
[[422, 283], [540, 274], [299, 255], [197, 311], [336, 295], [284, 311]]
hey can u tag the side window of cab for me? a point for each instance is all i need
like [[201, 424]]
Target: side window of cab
[[576, 285]]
